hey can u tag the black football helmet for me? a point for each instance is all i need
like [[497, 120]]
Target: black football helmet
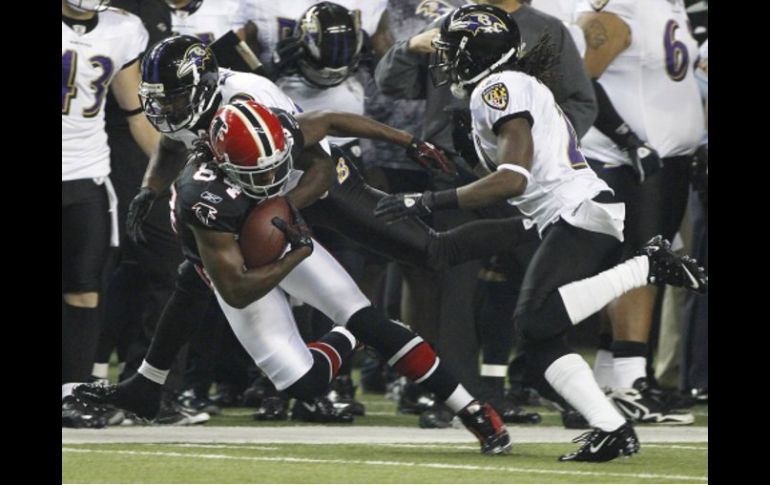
[[331, 39], [474, 41], [89, 5], [180, 81], [190, 8]]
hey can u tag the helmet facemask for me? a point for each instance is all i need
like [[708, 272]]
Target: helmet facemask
[[267, 179], [177, 109]]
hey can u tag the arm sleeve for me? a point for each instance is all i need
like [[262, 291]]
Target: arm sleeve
[[402, 74], [577, 98]]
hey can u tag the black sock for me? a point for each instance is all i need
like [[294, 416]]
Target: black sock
[[79, 336], [627, 348], [404, 350], [181, 318]]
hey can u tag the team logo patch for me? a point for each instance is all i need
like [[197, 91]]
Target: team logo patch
[[496, 96], [205, 213], [342, 170], [479, 22], [432, 9], [598, 4]]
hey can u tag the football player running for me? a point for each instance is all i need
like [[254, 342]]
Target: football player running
[[523, 138]]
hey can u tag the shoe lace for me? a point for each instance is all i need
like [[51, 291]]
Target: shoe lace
[[586, 437]]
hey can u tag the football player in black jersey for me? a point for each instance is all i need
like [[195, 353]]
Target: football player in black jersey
[[253, 159], [179, 107]]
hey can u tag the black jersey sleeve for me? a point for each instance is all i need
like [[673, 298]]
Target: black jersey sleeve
[[207, 200]]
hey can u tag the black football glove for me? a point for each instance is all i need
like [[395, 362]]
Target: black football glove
[[396, 207], [138, 210], [430, 156], [298, 234], [285, 56], [644, 159]]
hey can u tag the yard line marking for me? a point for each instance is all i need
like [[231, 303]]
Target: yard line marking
[[676, 447], [290, 459], [233, 447]]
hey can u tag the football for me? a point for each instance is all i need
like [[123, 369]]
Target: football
[[261, 242]]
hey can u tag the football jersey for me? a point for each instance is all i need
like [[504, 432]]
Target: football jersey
[[276, 20], [204, 197], [240, 85], [89, 62], [560, 178], [213, 19], [651, 83]]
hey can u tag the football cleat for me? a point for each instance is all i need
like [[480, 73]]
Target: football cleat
[[343, 396], [601, 445], [642, 404], [668, 268], [320, 410], [76, 413], [484, 422], [136, 394], [272, 408]]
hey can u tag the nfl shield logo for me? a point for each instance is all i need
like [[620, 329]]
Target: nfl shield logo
[[496, 96]]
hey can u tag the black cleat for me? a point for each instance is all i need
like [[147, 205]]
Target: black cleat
[[343, 396], [483, 421], [511, 413], [644, 404], [321, 410], [76, 413], [272, 408], [413, 399], [601, 445], [668, 268], [198, 402], [136, 394], [437, 417]]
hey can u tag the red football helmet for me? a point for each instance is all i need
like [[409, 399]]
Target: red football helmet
[[252, 148]]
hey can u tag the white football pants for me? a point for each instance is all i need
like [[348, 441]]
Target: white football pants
[[266, 328]]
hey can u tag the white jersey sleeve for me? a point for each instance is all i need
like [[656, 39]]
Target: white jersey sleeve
[[90, 61]]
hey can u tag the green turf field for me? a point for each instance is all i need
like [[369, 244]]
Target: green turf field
[[223, 462]]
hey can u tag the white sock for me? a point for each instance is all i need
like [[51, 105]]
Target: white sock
[[493, 370], [155, 375], [628, 369], [571, 377], [585, 297], [458, 399], [100, 370], [344, 331], [604, 369]]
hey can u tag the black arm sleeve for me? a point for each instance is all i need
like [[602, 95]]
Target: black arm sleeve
[[609, 121]]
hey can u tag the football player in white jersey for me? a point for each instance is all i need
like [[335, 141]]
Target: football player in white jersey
[[100, 50], [289, 28], [522, 136], [224, 25], [650, 122]]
